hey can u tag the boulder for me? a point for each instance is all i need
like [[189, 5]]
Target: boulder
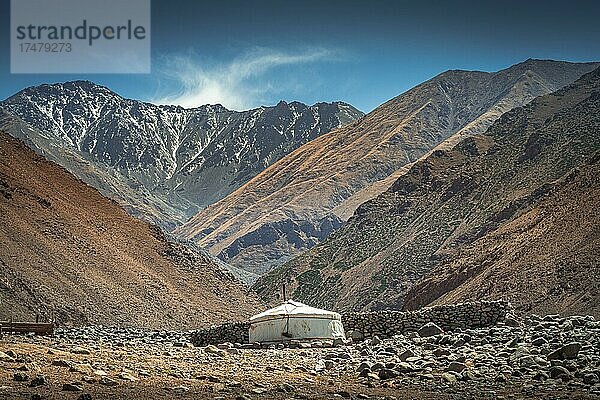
[[456, 367], [20, 377], [558, 372], [430, 329], [72, 387], [566, 352], [386, 373]]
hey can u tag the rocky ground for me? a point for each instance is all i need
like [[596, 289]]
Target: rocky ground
[[549, 357]]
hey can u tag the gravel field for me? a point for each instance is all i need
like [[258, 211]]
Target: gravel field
[[540, 357]]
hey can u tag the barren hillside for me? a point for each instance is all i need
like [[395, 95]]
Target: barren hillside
[[545, 261], [68, 252], [464, 204]]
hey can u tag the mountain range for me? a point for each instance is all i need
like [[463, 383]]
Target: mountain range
[[301, 199], [510, 213], [162, 163], [471, 185]]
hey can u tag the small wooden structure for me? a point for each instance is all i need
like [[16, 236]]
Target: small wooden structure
[[43, 328]]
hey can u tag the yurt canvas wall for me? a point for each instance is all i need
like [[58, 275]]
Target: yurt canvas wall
[[295, 321]]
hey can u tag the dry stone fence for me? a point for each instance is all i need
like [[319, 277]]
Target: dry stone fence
[[382, 323], [448, 317], [231, 332]]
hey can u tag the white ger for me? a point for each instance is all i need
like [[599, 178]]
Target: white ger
[[295, 321]]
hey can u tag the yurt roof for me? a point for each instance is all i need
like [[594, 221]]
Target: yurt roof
[[294, 309]]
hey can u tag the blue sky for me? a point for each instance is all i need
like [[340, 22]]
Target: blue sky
[[247, 53]]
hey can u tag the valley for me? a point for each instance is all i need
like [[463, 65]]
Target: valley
[[299, 200], [295, 203], [471, 199]]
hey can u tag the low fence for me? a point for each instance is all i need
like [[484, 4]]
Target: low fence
[[232, 332], [382, 323], [448, 317]]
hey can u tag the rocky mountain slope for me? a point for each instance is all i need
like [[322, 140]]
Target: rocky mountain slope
[[298, 201], [163, 163], [511, 213], [546, 260], [68, 252]]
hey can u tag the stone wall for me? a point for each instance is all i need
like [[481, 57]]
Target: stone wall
[[382, 323], [447, 317], [232, 332]]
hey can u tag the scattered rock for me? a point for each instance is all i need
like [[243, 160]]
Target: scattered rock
[[487, 357], [386, 373], [82, 368], [365, 365], [126, 376], [11, 354], [591, 378], [62, 363], [527, 361], [440, 352], [406, 354], [356, 336], [404, 367], [320, 366], [448, 377], [142, 372], [455, 366], [558, 371], [286, 388], [216, 351], [540, 376]]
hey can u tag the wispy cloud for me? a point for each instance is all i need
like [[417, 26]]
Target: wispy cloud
[[239, 84]]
